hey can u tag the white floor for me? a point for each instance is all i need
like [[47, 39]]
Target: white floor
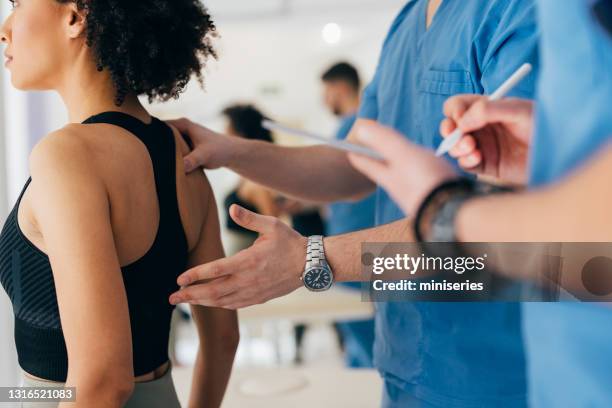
[[304, 387]]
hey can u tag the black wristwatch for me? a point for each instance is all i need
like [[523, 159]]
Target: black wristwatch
[[435, 221]]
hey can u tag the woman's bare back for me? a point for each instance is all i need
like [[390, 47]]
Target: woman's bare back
[[124, 165]]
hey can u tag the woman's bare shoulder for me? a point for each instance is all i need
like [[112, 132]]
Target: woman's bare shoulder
[[64, 149], [91, 150]]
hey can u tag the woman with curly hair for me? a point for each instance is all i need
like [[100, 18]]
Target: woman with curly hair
[[108, 202]]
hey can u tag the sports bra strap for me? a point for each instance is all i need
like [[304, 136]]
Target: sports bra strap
[[25, 187], [159, 141], [122, 120]]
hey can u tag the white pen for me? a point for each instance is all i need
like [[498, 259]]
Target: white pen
[[338, 144], [450, 142]]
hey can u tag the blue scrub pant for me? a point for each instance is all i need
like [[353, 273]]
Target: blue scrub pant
[[358, 339]]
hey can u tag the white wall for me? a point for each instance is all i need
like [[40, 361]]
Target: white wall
[[277, 63]]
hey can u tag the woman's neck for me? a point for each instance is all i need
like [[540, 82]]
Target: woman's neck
[[87, 92]]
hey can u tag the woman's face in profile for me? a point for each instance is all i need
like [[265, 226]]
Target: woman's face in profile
[[36, 36]]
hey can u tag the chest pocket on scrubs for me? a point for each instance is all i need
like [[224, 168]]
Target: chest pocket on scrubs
[[435, 88]]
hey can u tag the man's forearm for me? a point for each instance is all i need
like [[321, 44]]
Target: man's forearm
[[344, 252], [575, 210], [317, 173]]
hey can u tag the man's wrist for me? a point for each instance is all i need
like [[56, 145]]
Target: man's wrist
[[462, 220], [328, 244], [346, 272], [301, 252], [437, 217], [234, 152]]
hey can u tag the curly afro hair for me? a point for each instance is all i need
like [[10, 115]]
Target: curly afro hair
[[150, 47]]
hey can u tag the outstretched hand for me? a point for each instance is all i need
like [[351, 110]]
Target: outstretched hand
[[269, 269]]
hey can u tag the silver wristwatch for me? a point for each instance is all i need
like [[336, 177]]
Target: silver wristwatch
[[317, 276]]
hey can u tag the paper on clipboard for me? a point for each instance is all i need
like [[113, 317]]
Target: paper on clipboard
[[338, 144]]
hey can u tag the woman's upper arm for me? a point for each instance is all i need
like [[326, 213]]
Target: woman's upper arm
[[71, 208], [209, 248]]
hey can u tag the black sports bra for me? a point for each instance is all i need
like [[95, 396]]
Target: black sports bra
[[26, 275]]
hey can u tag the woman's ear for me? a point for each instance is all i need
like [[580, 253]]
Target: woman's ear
[[76, 20]]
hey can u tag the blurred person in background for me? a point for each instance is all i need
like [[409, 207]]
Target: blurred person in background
[[245, 121], [561, 147], [434, 49], [108, 202], [342, 89]]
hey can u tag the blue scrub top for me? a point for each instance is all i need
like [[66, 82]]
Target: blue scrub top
[[449, 354], [569, 345], [345, 217]]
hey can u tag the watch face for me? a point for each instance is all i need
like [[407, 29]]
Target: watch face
[[318, 279]]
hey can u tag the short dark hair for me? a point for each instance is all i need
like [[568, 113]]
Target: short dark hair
[[343, 71], [150, 47], [246, 121]]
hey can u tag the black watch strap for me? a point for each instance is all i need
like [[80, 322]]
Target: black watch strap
[[435, 221], [429, 217], [442, 227]]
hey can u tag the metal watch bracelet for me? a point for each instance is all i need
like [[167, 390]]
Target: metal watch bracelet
[[315, 253]]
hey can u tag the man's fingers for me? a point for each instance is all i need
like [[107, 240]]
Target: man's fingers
[[206, 294], [484, 112], [192, 161], [250, 296], [182, 124], [384, 140], [373, 169], [184, 127], [212, 270], [477, 117], [456, 106], [447, 127], [252, 221], [465, 147], [239, 300], [471, 161]]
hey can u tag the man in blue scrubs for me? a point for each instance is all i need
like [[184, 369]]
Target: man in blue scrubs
[[569, 346], [342, 88], [430, 355], [448, 354]]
